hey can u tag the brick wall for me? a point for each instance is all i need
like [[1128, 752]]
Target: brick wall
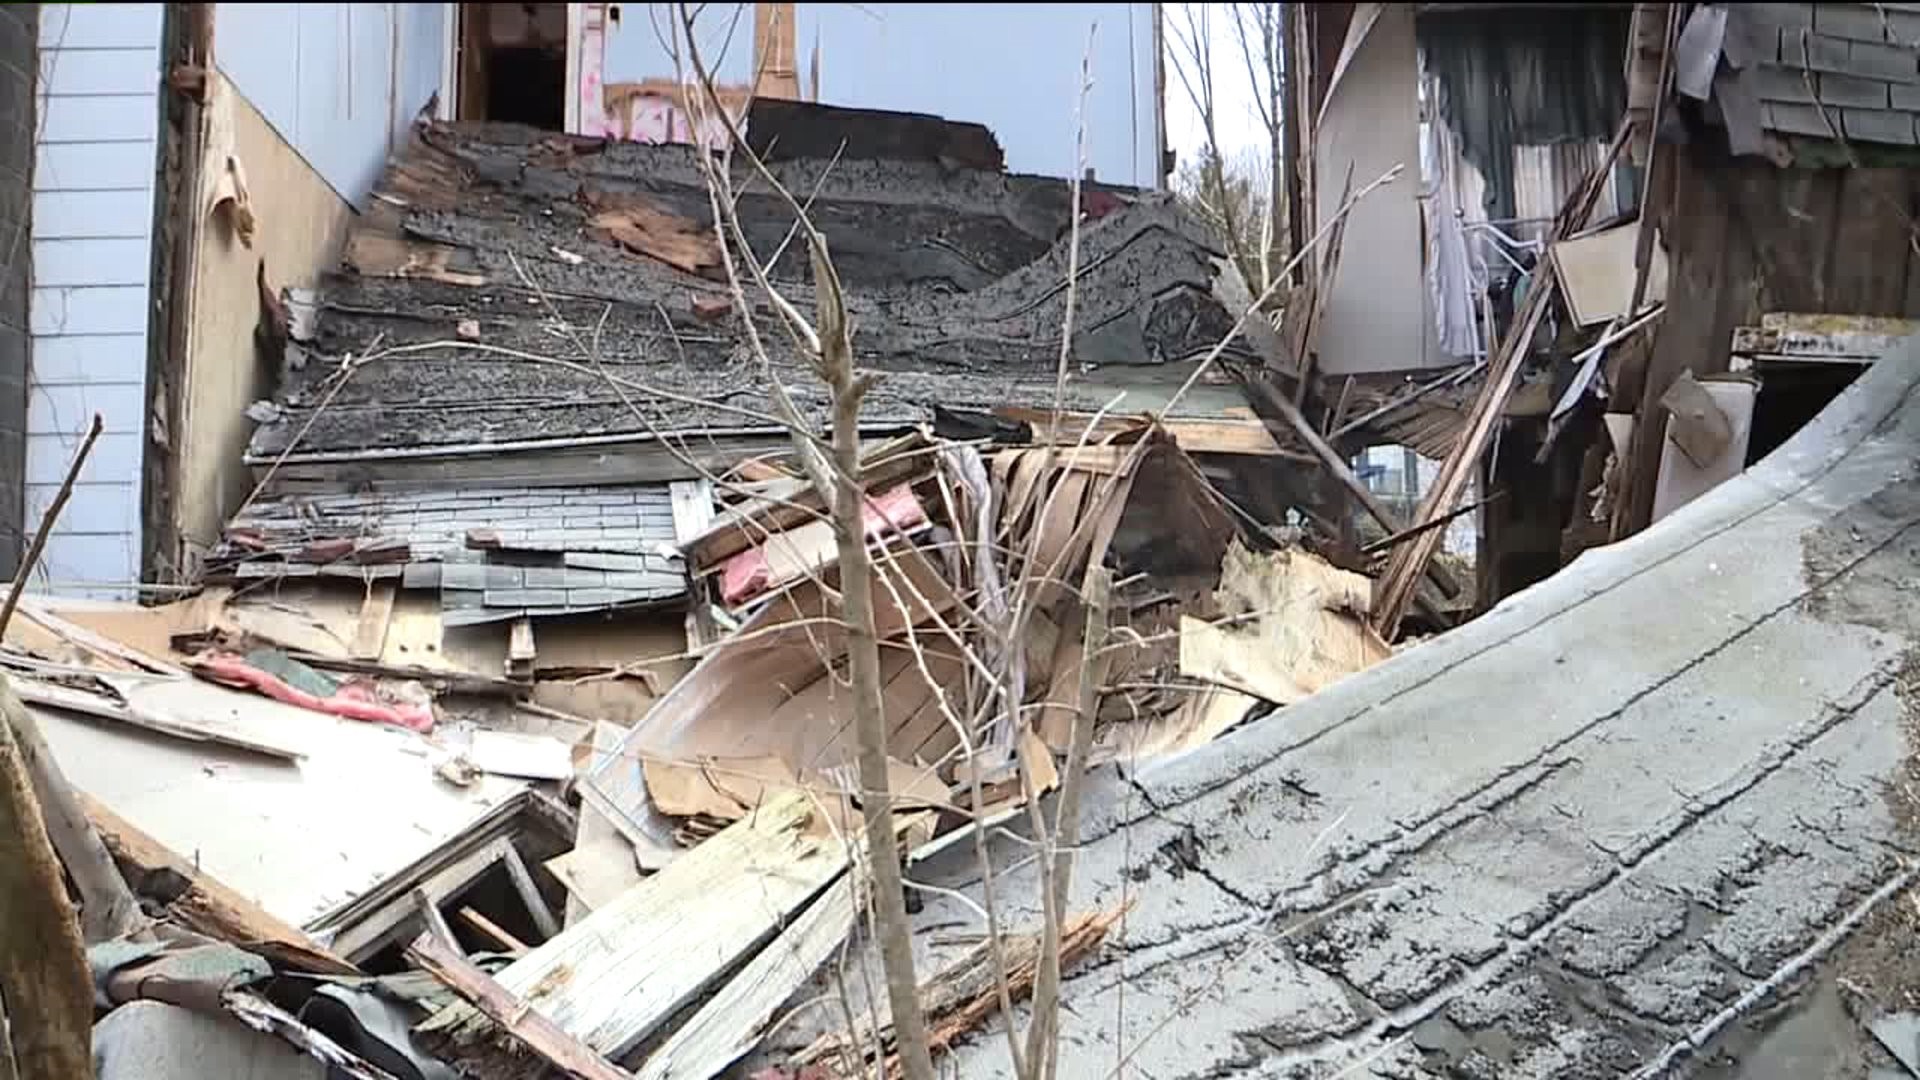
[[1854, 68], [18, 32]]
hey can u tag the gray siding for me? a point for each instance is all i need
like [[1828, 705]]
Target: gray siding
[[1846, 69], [98, 123]]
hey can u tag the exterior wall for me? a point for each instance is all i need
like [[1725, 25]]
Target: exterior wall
[[1379, 314], [324, 76], [19, 30], [98, 119], [1012, 67], [419, 51], [300, 223], [1827, 65]]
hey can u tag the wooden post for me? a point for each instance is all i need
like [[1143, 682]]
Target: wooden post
[[43, 971]]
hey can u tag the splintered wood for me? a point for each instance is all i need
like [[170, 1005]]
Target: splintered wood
[[732, 1022], [962, 996], [616, 976]]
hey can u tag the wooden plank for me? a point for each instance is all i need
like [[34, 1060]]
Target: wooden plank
[[193, 729], [543, 916], [1597, 273], [624, 970], [36, 610], [376, 611], [1849, 338], [201, 903], [518, 1017], [492, 931], [692, 503], [732, 1022], [1224, 435]]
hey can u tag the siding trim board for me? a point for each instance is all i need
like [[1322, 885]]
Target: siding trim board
[[19, 86]]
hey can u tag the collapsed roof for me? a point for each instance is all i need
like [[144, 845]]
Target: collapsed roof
[[516, 294]]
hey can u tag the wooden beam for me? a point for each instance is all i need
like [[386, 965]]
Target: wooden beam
[[529, 893], [492, 931], [519, 1018], [202, 904]]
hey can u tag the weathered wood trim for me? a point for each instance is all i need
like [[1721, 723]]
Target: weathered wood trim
[[178, 228]]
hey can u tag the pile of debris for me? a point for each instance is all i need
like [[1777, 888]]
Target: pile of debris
[[527, 659]]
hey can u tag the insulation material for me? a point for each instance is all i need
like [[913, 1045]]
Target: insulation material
[[223, 181], [1290, 624]]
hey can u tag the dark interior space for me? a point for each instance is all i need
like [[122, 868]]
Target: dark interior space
[[524, 86], [1790, 396], [513, 64]]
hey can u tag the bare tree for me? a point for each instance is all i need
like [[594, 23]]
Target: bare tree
[[1245, 200]]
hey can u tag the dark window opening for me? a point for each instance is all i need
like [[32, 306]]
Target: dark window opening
[[1791, 395], [513, 64]]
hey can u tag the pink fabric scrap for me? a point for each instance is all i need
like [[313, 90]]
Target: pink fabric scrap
[[354, 701], [748, 574]]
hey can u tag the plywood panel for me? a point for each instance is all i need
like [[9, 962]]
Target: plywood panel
[[300, 223]]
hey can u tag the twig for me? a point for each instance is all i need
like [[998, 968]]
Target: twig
[[46, 522], [1428, 526], [1043, 1036]]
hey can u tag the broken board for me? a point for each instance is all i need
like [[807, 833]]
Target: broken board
[[614, 978]]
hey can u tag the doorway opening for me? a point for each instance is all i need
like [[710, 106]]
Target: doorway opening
[[512, 64]]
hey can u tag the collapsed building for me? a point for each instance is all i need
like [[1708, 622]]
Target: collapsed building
[[503, 721]]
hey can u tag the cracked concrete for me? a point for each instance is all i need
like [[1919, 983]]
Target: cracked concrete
[[1651, 817]]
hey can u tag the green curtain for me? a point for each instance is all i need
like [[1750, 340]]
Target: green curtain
[[1525, 77]]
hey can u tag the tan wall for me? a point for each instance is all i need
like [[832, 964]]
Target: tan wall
[[299, 225], [1379, 314]]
